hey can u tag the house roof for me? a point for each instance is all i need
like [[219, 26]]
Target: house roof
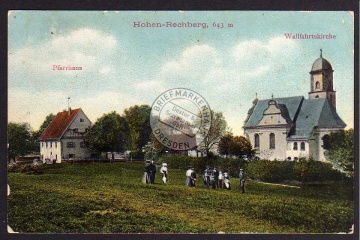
[[306, 114], [288, 106], [59, 124]]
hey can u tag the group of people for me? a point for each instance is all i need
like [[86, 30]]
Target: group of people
[[150, 172], [215, 178], [212, 177]]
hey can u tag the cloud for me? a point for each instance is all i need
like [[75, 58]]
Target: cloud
[[89, 49], [194, 61]]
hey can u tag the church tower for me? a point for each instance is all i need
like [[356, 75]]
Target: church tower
[[322, 80]]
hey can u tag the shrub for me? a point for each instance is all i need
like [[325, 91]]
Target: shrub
[[315, 171], [25, 168], [270, 171], [199, 164]]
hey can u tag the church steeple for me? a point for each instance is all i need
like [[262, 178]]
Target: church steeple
[[321, 85]]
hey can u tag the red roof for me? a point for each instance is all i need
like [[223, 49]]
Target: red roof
[[59, 124]]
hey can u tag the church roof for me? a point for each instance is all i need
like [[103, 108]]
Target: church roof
[[305, 114], [321, 64], [59, 124], [287, 105]]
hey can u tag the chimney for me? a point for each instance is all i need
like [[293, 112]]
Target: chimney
[[69, 110]]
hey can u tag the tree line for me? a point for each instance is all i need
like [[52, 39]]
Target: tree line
[[114, 132]]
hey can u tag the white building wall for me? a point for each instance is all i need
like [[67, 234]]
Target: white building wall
[[50, 149], [75, 135], [264, 151], [299, 153]]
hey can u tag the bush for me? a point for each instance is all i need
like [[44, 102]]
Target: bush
[[315, 171], [25, 168], [199, 164], [270, 171]]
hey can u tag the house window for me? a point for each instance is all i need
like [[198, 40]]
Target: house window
[[81, 120], [50, 144], [317, 85], [42, 144], [75, 130], [46, 144], [272, 141], [55, 144], [295, 146], [302, 146], [82, 145], [70, 145], [257, 140]]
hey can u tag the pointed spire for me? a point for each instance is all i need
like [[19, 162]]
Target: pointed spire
[[256, 95], [272, 96], [321, 52]]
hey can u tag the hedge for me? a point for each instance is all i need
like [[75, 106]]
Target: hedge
[[261, 170]]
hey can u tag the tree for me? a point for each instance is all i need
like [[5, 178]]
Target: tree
[[234, 145], [46, 123], [36, 134], [225, 144], [138, 121], [108, 134], [19, 139], [217, 129], [240, 146], [340, 150]]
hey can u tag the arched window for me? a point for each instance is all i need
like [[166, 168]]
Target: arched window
[[317, 85], [317, 96], [302, 146], [257, 140], [272, 141], [295, 146]]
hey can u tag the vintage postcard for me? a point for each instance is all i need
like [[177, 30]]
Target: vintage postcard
[[193, 122]]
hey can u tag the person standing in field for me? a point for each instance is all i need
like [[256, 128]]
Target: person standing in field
[[221, 178], [216, 178], [164, 172], [242, 180], [190, 177], [152, 172], [147, 178]]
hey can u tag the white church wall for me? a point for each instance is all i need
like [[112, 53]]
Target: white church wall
[[297, 153], [264, 151]]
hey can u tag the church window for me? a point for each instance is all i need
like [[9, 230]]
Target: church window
[[289, 158], [317, 85], [317, 96], [257, 140], [295, 146], [272, 141], [302, 146], [296, 158], [326, 142]]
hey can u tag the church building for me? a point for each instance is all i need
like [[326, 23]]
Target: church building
[[294, 127]]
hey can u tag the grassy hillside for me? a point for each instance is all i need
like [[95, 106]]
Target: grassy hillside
[[110, 198]]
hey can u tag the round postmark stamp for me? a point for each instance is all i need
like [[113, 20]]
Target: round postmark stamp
[[180, 118]]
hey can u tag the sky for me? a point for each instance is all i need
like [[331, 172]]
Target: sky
[[124, 65]]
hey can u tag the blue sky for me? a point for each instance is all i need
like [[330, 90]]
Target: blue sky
[[125, 65]]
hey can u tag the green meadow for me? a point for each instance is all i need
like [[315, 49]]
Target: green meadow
[[110, 198]]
